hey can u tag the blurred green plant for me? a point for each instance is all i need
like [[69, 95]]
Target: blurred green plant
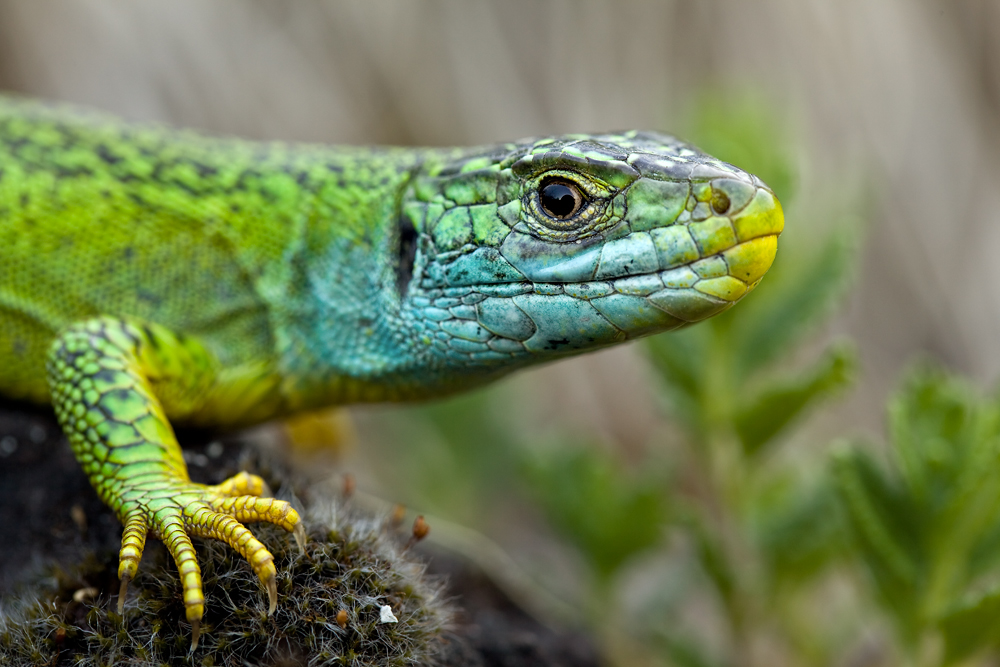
[[927, 525], [608, 512], [455, 459]]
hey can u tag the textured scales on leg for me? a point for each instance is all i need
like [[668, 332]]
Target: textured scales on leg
[[113, 385]]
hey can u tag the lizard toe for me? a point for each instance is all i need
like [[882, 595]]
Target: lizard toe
[[242, 484], [251, 509], [207, 522], [171, 527], [133, 543]]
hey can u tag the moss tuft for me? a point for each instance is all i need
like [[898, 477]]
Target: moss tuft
[[353, 566]]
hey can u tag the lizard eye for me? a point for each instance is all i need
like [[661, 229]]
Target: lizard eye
[[560, 199], [566, 205]]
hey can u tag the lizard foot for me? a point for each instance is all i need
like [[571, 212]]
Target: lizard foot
[[175, 510]]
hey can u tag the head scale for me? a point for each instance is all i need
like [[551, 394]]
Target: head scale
[[536, 250]]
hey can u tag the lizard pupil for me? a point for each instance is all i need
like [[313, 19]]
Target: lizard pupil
[[560, 199]]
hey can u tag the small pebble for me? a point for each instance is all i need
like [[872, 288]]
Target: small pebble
[[385, 615], [84, 594], [8, 445]]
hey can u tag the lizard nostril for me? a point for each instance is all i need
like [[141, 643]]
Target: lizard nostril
[[720, 201]]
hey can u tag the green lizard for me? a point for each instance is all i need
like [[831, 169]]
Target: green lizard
[[151, 277]]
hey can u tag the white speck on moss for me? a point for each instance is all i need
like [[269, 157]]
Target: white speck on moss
[[385, 615]]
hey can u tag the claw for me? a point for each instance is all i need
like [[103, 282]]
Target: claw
[[133, 542], [122, 590], [300, 537], [272, 596], [195, 633]]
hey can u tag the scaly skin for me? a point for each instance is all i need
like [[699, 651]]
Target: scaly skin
[[153, 277]]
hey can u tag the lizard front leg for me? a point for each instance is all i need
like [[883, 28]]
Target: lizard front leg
[[114, 383]]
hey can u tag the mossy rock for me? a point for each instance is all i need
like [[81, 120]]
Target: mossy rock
[[353, 567], [60, 541]]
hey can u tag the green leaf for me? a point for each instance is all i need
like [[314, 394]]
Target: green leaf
[[946, 440], [887, 530], [936, 423], [799, 530], [608, 513], [985, 555], [971, 626], [764, 416]]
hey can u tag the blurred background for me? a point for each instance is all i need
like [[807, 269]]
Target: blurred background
[[677, 495]]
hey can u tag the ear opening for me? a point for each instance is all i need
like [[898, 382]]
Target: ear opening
[[406, 253]]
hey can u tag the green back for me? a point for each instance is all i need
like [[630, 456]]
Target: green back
[[200, 235]]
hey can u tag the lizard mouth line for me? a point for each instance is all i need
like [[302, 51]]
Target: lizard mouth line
[[724, 277]]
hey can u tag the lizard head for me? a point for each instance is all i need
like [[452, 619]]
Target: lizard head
[[547, 248]]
